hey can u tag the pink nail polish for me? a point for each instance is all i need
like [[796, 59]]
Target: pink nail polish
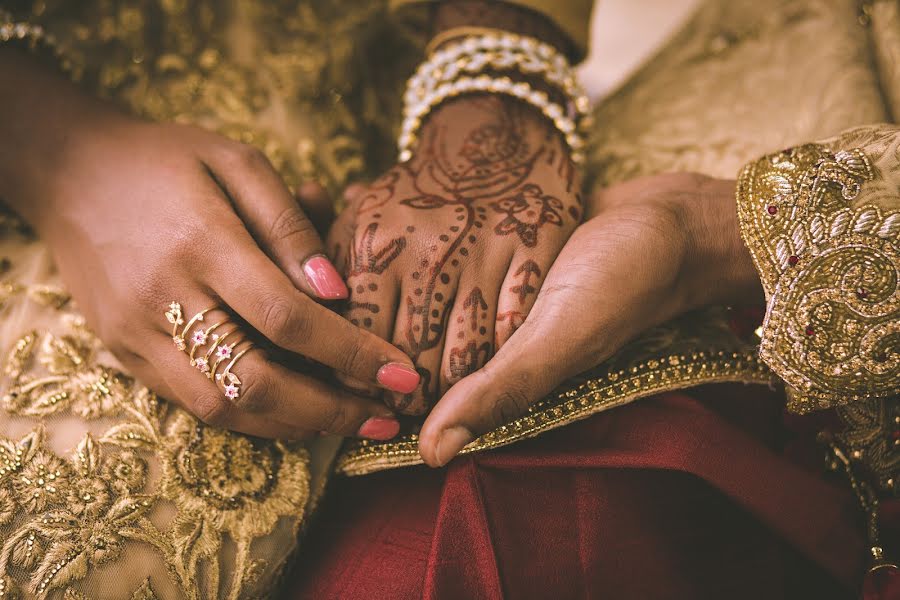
[[324, 279], [379, 428], [398, 378]]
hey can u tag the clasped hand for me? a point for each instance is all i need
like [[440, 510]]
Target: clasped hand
[[473, 260], [474, 286]]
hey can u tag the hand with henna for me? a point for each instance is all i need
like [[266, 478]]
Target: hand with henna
[[650, 249], [444, 255]]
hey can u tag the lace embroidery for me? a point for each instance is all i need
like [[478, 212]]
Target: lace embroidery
[[62, 516]]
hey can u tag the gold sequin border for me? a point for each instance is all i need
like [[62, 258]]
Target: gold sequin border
[[597, 393]]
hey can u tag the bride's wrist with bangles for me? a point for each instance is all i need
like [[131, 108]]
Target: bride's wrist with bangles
[[501, 50]]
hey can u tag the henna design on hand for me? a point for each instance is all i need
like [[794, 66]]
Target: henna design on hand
[[461, 180], [364, 259], [528, 269], [513, 320], [526, 212]]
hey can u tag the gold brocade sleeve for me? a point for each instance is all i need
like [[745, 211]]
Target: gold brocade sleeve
[[572, 16], [822, 222]]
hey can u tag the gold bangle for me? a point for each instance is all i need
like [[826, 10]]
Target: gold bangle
[[457, 32]]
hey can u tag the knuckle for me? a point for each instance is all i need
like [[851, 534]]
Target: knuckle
[[337, 420], [212, 409], [256, 392], [352, 359], [513, 401], [248, 157], [291, 224], [282, 321]]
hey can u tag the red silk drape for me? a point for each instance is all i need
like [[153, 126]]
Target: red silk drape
[[694, 495]]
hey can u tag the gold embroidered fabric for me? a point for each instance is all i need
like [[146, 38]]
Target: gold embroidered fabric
[[822, 222], [106, 491], [104, 486], [872, 437]]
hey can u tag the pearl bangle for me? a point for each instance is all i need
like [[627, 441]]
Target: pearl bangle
[[483, 83], [450, 71]]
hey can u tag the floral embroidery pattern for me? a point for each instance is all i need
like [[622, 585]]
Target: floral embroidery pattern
[[60, 517]]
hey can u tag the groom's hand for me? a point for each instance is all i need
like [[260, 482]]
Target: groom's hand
[[651, 249]]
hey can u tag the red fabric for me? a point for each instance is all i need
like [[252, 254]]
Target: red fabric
[[679, 496]]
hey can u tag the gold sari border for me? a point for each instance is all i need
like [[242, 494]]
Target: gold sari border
[[575, 401]]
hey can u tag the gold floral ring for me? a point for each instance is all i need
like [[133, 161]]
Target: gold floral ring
[[216, 349]]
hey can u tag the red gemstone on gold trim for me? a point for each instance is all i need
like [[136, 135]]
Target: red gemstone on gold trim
[[810, 330], [771, 209], [793, 260]]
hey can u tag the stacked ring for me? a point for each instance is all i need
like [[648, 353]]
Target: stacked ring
[[219, 348]]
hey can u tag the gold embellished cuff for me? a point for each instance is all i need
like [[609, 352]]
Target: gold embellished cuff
[[824, 239]]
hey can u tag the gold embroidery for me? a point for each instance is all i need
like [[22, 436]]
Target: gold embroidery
[[872, 437], [663, 359], [830, 266], [62, 516], [284, 77]]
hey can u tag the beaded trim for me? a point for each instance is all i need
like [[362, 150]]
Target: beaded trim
[[483, 83], [602, 389]]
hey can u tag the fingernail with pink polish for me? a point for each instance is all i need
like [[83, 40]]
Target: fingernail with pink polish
[[398, 377], [324, 279], [379, 428]]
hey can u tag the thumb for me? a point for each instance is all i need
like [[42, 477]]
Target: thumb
[[503, 390]]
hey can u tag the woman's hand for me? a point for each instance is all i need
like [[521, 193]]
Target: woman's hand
[[651, 249], [139, 215], [445, 254]]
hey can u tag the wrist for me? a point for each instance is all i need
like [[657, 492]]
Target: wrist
[[45, 121], [456, 119], [718, 268]]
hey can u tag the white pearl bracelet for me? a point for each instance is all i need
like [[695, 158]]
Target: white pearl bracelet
[[451, 70], [485, 83]]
